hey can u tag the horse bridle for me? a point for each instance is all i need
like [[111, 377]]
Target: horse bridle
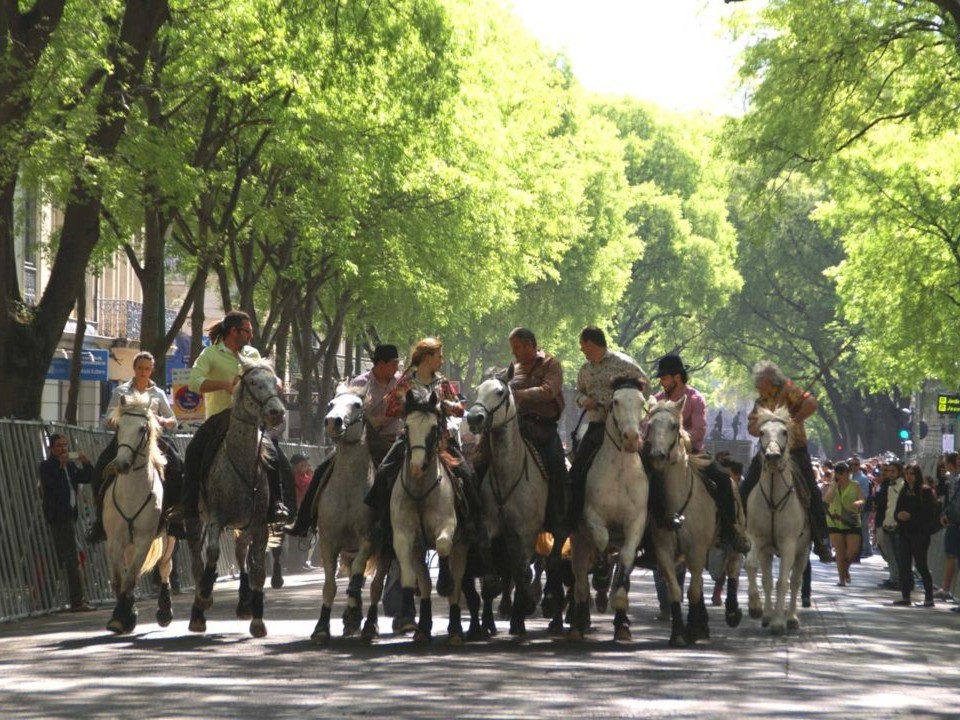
[[673, 445], [775, 507], [259, 403], [492, 411], [350, 423], [429, 449], [144, 439]]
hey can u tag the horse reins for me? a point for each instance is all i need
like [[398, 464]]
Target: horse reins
[[137, 451]]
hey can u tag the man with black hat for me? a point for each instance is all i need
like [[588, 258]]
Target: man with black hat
[[382, 430], [673, 375]]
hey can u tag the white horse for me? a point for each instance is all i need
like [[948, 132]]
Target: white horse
[[344, 521], [132, 509], [237, 492], [685, 493], [514, 490], [615, 509], [423, 515], [777, 524]]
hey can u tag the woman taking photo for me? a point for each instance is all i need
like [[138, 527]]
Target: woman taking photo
[[916, 513], [844, 501]]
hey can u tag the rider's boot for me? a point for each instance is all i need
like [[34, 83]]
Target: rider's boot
[[96, 533], [731, 533], [278, 511]]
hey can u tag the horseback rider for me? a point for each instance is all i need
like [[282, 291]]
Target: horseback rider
[[594, 394], [215, 373], [536, 380], [776, 390], [673, 375], [143, 363], [426, 357], [382, 430]]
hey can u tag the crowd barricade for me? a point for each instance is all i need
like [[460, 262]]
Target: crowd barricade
[[32, 581]]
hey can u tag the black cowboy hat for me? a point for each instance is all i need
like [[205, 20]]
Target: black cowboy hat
[[670, 364], [385, 353]]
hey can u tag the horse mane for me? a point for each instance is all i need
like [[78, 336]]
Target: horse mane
[[247, 365], [496, 373], [625, 381], [142, 402], [781, 414], [416, 401]]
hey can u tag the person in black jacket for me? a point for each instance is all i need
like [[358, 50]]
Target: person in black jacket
[[916, 513], [60, 474]]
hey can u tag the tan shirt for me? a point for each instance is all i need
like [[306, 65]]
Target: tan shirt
[[542, 385], [790, 396]]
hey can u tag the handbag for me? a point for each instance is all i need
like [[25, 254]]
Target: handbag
[[850, 517]]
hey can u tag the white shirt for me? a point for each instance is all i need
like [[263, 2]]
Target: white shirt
[[893, 494]]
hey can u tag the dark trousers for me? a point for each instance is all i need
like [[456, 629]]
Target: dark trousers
[[65, 543], [586, 450], [912, 550], [818, 516]]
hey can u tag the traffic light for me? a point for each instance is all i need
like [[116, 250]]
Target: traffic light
[[906, 425]]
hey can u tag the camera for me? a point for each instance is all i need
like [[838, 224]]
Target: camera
[[73, 455]]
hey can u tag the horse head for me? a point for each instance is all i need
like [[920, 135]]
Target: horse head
[[137, 431], [423, 421], [665, 434], [344, 411], [775, 427], [257, 395], [626, 412], [491, 409]]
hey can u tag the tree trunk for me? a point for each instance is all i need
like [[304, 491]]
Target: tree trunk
[[30, 340], [76, 362]]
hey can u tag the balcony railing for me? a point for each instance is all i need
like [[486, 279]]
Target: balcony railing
[[123, 318]]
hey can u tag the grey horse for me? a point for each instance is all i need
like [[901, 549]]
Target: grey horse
[[237, 492]]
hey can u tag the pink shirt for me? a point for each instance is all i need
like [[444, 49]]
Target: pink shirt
[[694, 415]]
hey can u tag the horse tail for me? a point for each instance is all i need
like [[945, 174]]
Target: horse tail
[[153, 555], [372, 562]]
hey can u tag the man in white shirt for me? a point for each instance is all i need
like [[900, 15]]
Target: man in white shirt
[[891, 483]]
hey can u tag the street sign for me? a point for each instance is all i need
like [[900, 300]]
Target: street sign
[[93, 366], [948, 404], [187, 405]]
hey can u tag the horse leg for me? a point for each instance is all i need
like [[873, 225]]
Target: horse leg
[[523, 601], [371, 627], [241, 549], [505, 611], [553, 589], [164, 606], [796, 578], [353, 613], [583, 554], [403, 545], [257, 560], [488, 594], [601, 581], [766, 572], [276, 553], [470, 594], [205, 574], [698, 627], [753, 591], [732, 612], [778, 624], [458, 565], [666, 551]]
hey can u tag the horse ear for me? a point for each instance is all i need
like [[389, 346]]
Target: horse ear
[[681, 403], [510, 372]]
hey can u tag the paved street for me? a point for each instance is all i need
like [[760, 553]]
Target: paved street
[[853, 657]]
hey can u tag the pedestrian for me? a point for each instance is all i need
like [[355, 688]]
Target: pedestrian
[[915, 511], [60, 476], [844, 501]]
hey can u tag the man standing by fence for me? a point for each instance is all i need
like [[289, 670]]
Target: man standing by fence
[[60, 474]]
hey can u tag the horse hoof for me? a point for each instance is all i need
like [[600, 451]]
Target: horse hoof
[[555, 627], [518, 629], [321, 637], [756, 613], [371, 631], [793, 624], [601, 602], [490, 630], [244, 612], [622, 634], [778, 628], [258, 629], [455, 639], [550, 605], [197, 626], [276, 582], [733, 617], [765, 622], [475, 634], [164, 618], [678, 641], [574, 635], [421, 637], [115, 626], [404, 625]]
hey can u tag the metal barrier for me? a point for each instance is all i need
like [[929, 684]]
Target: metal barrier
[[32, 581]]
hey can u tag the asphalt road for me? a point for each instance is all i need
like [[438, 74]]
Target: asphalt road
[[855, 656]]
